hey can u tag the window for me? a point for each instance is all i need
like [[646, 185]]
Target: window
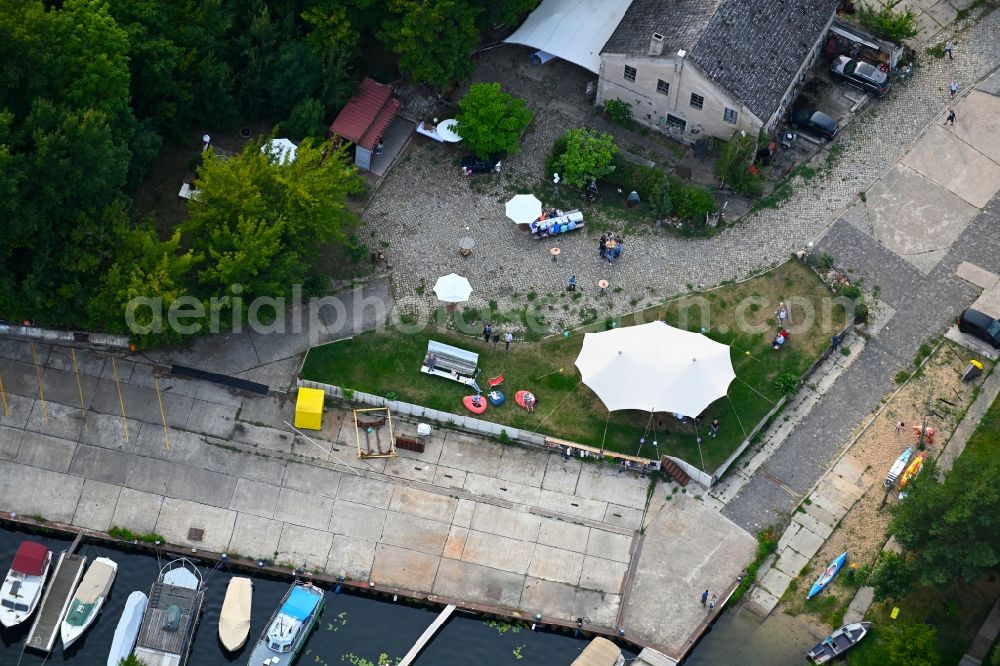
[[662, 87], [676, 123], [630, 73], [730, 116], [697, 101]]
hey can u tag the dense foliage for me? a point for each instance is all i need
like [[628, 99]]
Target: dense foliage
[[490, 121], [90, 90], [888, 22], [586, 154]]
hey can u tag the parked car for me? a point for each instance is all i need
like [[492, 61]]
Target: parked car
[[815, 122], [472, 164], [980, 325], [860, 74]]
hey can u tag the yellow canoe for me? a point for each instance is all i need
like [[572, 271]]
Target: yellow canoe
[[234, 620], [913, 469]]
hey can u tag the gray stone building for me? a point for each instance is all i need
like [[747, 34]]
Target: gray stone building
[[692, 68]]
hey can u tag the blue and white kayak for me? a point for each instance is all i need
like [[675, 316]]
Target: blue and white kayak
[[827, 576]]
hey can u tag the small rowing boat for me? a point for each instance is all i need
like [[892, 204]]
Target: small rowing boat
[[234, 620], [827, 576], [839, 642], [897, 468], [128, 628]]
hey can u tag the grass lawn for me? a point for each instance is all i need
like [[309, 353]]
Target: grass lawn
[[956, 610], [389, 361]]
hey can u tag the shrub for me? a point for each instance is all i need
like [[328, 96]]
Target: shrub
[[860, 312], [887, 23], [490, 121], [305, 120], [661, 202], [619, 111], [588, 154], [692, 202], [825, 261], [786, 383], [733, 165], [851, 291], [891, 577]]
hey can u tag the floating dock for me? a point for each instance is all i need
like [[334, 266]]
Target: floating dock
[[428, 634], [57, 599]]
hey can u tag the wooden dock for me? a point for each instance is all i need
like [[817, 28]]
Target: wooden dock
[[57, 598], [428, 634]]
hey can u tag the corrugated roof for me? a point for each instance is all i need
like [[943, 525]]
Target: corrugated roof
[[367, 114]]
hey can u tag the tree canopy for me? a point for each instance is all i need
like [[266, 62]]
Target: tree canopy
[[490, 121], [588, 154]]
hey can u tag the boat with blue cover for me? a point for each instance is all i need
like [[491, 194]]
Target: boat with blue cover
[[289, 628]]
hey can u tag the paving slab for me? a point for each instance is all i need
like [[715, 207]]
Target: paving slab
[[455, 545], [137, 511], [92, 462], [56, 420], [312, 479], [201, 486], [254, 497], [792, 529], [830, 501], [303, 509], [470, 454], [623, 516], [609, 545], [549, 598], [351, 558], [18, 410], [357, 520], [255, 537], [423, 504], [506, 522], [603, 575], [819, 514], [178, 516], [412, 470], [599, 483], [556, 565], [561, 474], [571, 505], [10, 442], [564, 535], [97, 505], [760, 602], [599, 607], [408, 569], [977, 123], [791, 562], [304, 546], [52, 453], [449, 477], [420, 534], [507, 491], [478, 584], [775, 581], [20, 484], [498, 552], [211, 418], [806, 543], [522, 465], [61, 387], [366, 491], [110, 431], [861, 603], [464, 512]]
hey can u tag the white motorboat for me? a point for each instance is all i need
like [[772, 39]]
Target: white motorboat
[[234, 619], [128, 627], [22, 588], [88, 600], [289, 627]]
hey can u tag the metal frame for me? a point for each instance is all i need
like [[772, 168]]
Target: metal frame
[[357, 433]]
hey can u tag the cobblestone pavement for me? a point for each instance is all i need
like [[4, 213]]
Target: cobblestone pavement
[[424, 206]]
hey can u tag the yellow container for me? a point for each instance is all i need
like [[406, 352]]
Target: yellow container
[[309, 409]]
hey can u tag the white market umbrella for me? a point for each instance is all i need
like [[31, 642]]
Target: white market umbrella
[[524, 208], [282, 150], [452, 288], [655, 368]]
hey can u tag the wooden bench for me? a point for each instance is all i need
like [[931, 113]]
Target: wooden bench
[[410, 444]]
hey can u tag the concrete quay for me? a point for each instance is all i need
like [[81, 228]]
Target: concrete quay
[[497, 527]]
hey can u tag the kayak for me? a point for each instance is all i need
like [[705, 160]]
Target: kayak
[[827, 576], [897, 468], [913, 469]]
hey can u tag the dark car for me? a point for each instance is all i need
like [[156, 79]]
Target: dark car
[[472, 164], [980, 325], [815, 122], [860, 74]]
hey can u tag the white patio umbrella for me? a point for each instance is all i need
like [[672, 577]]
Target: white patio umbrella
[[282, 150], [452, 288], [524, 208], [655, 368]]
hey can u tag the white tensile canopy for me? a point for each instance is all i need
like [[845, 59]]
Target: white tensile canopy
[[282, 150], [655, 368], [524, 208], [452, 288], [574, 30]]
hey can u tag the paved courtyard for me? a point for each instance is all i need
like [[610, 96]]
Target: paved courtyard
[[468, 519]]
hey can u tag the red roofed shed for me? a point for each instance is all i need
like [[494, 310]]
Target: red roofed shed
[[365, 118], [30, 559]]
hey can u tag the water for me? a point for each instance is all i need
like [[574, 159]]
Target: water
[[739, 637], [354, 629]]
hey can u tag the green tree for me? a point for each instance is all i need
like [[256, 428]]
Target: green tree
[[892, 577], [733, 165], [307, 119], [588, 154], [434, 39], [964, 509], [888, 23], [494, 13], [490, 121], [693, 202], [260, 223], [909, 644]]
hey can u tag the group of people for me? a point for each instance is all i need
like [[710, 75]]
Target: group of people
[[555, 221], [492, 337], [610, 246]]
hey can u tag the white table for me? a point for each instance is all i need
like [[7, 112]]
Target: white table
[[445, 131]]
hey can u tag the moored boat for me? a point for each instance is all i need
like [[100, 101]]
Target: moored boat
[[88, 600], [128, 627], [289, 627], [172, 615], [839, 642], [22, 588], [827, 576], [234, 619], [600, 652], [897, 468]]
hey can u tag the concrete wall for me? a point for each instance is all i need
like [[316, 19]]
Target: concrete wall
[[650, 107], [50, 335]]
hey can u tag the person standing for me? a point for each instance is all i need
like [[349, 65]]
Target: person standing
[[947, 49], [495, 341], [507, 339], [713, 430], [704, 597], [951, 117], [487, 331], [953, 88], [781, 314], [711, 604], [571, 283], [602, 242]]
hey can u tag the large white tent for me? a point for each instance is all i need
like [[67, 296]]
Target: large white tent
[[574, 30], [655, 368]]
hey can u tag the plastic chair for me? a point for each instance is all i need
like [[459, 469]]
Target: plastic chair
[[496, 381]]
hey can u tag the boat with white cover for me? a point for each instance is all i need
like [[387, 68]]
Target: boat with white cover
[[234, 619], [128, 627], [22, 588], [88, 600]]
